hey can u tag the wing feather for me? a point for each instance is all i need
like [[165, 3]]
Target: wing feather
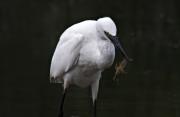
[[66, 56]]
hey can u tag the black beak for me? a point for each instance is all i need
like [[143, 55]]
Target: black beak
[[117, 44]]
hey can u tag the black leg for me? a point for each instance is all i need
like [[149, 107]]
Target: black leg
[[94, 106], [60, 113]]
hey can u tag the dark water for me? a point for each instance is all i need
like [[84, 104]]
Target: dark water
[[149, 31], [141, 93]]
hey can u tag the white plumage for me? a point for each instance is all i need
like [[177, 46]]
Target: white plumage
[[83, 52]]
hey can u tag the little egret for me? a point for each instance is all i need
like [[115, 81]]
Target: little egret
[[84, 50]]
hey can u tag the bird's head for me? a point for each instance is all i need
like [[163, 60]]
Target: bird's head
[[106, 24], [106, 29]]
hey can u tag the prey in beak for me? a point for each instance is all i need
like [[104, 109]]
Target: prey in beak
[[115, 40], [119, 67]]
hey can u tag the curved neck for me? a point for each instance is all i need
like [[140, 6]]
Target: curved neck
[[100, 31], [107, 53]]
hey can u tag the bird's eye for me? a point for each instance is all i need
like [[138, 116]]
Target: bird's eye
[[106, 33]]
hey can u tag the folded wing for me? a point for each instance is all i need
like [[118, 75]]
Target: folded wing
[[65, 56]]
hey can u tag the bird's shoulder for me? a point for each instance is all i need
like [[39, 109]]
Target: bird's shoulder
[[83, 29]]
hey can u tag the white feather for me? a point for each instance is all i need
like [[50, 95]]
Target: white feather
[[82, 53]]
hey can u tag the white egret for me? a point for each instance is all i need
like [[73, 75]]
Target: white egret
[[82, 53]]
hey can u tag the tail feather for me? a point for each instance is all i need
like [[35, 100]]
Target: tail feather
[[52, 80], [55, 80]]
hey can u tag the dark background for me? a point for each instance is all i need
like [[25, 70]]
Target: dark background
[[149, 30]]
